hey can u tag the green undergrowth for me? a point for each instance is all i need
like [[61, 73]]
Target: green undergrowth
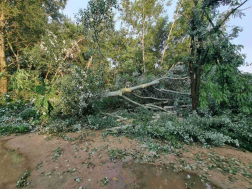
[[22, 182], [6, 130], [16, 116], [209, 131], [20, 117], [168, 128]]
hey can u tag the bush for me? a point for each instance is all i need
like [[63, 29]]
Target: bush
[[193, 129], [56, 126], [100, 122], [80, 89], [27, 113], [6, 130]]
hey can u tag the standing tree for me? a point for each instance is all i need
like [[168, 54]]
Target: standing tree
[[22, 23], [142, 15], [96, 21], [210, 43]]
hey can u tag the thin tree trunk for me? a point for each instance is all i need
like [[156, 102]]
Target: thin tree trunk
[[192, 76], [168, 38], [115, 70], [17, 60], [3, 80], [47, 73], [143, 42], [89, 62], [197, 86], [15, 54]]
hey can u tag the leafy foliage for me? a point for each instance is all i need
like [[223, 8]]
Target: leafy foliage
[[80, 90], [207, 130], [22, 182]]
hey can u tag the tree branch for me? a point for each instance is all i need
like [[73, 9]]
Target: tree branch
[[231, 12], [171, 91], [153, 98], [129, 90], [133, 102], [168, 38]]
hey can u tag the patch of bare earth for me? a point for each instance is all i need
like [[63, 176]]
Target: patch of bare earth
[[92, 161]]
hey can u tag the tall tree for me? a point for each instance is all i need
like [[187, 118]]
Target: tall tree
[[3, 79], [141, 15], [171, 29], [97, 22], [209, 42], [22, 25]]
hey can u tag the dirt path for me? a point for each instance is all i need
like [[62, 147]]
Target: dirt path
[[89, 160], [12, 165]]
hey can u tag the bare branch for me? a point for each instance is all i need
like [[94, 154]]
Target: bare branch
[[171, 91], [172, 78], [133, 102], [147, 106], [153, 98], [160, 108], [171, 107]]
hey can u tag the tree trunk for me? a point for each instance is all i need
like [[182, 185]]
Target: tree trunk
[[143, 42], [168, 38], [115, 69], [3, 80], [197, 87], [191, 68], [89, 62]]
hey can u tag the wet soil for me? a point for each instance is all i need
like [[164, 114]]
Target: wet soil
[[93, 161], [12, 166], [159, 177]]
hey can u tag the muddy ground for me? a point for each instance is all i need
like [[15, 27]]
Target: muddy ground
[[89, 160]]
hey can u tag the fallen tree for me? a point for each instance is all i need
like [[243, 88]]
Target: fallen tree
[[121, 93], [142, 86]]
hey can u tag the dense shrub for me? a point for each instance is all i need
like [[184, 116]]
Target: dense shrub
[[80, 89], [100, 122], [215, 131], [27, 113], [6, 130]]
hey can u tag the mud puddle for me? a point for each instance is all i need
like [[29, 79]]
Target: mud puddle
[[12, 166], [158, 177]]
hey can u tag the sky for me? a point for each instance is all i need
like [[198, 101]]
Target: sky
[[245, 37]]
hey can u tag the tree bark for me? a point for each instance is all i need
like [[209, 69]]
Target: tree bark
[[3, 80], [89, 62], [129, 90], [191, 68], [143, 42]]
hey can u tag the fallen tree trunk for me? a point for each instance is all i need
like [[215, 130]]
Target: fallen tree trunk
[[151, 106], [130, 89]]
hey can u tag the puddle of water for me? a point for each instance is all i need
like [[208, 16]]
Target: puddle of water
[[157, 177], [12, 166]]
